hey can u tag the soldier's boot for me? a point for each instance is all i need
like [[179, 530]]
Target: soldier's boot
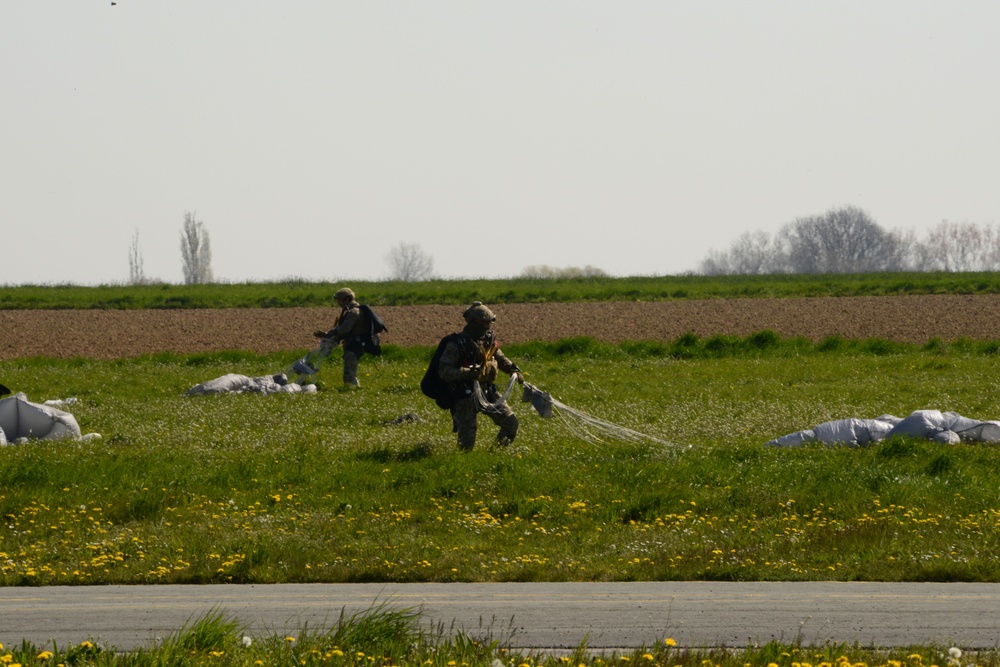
[[508, 431]]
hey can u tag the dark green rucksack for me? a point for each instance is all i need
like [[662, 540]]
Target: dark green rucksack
[[432, 385], [370, 342]]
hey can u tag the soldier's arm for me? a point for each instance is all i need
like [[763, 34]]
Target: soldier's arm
[[346, 323], [504, 363], [450, 366]]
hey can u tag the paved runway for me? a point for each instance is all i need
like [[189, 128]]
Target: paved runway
[[531, 616]]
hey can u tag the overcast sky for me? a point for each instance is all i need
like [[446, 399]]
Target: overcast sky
[[313, 136]]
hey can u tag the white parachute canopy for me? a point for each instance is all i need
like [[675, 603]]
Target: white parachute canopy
[[20, 418]]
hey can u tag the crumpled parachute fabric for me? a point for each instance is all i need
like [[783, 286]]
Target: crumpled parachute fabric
[[20, 418], [945, 427], [234, 383]]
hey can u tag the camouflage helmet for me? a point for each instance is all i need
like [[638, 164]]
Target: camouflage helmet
[[477, 312], [344, 293]]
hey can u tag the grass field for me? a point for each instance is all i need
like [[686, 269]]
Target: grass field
[[323, 488], [512, 290], [316, 488]]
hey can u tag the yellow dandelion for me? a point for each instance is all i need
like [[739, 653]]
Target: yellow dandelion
[[289, 639], [669, 641], [44, 655], [647, 656]]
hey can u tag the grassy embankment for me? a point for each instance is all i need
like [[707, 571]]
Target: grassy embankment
[[384, 637]]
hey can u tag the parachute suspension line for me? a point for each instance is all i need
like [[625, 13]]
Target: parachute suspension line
[[581, 424], [485, 405]]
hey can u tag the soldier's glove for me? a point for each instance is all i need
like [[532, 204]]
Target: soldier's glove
[[519, 376], [320, 334], [474, 371]]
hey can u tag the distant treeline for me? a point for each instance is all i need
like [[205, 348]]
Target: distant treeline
[[847, 240], [513, 290]]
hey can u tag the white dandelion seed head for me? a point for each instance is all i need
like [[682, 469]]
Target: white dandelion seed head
[[954, 653], [247, 641]]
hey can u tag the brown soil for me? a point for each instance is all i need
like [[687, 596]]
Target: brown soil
[[111, 334]]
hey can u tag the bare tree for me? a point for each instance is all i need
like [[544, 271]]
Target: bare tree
[[905, 251], [136, 271], [196, 251], [847, 240], [960, 246], [753, 253], [843, 240], [409, 263], [716, 264]]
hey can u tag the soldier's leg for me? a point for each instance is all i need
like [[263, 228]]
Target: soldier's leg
[[505, 418], [351, 367], [464, 418]]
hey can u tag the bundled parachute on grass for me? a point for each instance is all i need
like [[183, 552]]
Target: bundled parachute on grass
[[581, 424], [22, 420]]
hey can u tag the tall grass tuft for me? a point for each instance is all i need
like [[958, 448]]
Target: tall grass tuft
[[211, 632]]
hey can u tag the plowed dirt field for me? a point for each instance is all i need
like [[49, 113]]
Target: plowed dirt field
[[113, 334]]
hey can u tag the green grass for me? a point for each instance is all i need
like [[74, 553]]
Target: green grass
[[511, 290], [315, 488], [383, 636]]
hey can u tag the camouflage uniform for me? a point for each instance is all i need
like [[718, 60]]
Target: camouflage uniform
[[348, 328], [475, 356]]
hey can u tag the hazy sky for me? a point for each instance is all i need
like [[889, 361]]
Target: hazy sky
[[312, 136]]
